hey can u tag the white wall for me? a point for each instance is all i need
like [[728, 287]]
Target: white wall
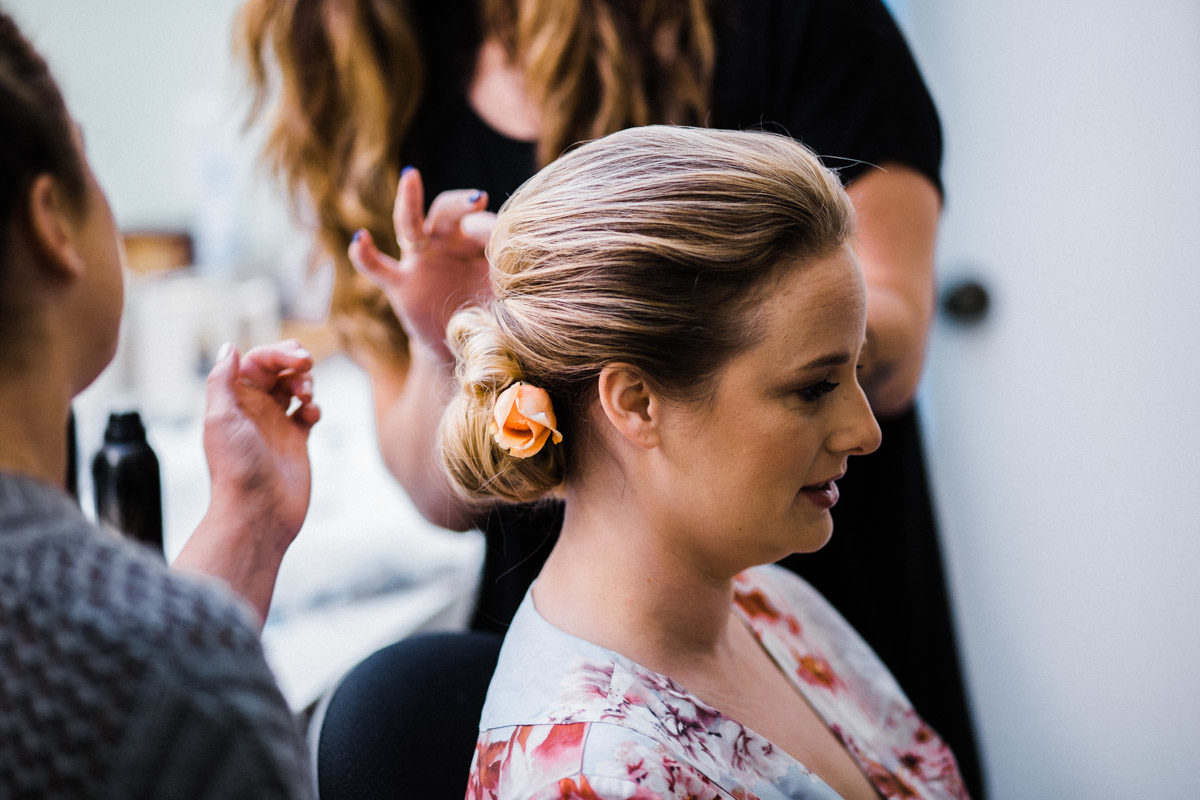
[[1064, 433], [153, 86]]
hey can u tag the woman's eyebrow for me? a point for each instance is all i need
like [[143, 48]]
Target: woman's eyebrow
[[829, 360]]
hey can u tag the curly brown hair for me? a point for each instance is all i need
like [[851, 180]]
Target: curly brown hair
[[341, 81]]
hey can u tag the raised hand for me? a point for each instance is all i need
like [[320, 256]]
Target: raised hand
[[259, 412], [442, 265]]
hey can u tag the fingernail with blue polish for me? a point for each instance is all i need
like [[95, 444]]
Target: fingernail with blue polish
[[474, 198], [358, 234], [405, 171]]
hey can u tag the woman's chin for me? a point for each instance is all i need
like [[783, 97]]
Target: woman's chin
[[816, 535]]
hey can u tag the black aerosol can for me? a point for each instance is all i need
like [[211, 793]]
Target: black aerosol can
[[126, 483]]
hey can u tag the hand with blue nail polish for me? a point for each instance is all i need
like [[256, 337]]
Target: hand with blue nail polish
[[442, 265]]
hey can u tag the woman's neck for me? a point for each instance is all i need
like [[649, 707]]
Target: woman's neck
[[616, 580], [499, 96], [33, 429]]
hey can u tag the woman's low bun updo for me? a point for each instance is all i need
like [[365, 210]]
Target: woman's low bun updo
[[477, 466]]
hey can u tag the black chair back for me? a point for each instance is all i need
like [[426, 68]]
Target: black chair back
[[403, 723]]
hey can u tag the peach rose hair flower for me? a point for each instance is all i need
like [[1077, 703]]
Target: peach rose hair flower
[[523, 419]]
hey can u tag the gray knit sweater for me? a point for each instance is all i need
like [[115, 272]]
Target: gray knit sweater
[[120, 679]]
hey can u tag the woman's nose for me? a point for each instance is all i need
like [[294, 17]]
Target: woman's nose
[[859, 432]]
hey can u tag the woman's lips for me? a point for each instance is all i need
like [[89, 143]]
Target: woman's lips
[[824, 495]]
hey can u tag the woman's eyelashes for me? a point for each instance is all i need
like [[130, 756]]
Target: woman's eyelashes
[[815, 391]]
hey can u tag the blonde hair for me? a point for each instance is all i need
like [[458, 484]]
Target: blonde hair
[[650, 247], [342, 81]]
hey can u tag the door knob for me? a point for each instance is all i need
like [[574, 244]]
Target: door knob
[[966, 301]]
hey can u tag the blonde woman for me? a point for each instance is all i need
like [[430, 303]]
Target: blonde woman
[[475, 95], [673, 350]]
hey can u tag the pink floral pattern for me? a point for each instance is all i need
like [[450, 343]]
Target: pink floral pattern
[[568, 719]]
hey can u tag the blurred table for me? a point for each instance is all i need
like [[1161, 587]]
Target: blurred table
[[365, 570]]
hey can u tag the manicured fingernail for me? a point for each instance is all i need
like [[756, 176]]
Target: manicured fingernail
[[358, 234], [474, 198], [405, 171], [224, 351]]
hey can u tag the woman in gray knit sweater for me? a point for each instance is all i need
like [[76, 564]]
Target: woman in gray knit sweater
[[119, 677]]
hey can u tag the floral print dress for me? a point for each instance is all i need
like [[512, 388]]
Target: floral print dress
[[565, 718]]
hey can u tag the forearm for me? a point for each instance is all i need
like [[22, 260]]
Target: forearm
[[898, 210], [409, 401], [229, 544]]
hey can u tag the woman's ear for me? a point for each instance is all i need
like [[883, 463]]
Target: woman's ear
[[53, 224], [630, 405]]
